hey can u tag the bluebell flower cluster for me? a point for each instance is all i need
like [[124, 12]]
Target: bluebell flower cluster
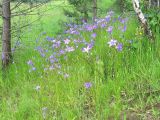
[[80, 38]]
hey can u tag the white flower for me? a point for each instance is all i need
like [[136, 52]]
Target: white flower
[[112, 43], [37, 88], [44, 112], [66, 41], [86, 49]]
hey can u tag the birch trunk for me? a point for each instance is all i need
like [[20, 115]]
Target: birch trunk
[[149, 3], [6, 34], [142, 19]]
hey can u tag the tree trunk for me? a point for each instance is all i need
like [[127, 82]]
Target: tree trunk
[[158, 3], [94, 10], [6, 34], [85, 17], [85, 12], [150, 3], [142, 19]]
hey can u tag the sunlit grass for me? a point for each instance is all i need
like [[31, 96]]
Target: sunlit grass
[[67, 98]]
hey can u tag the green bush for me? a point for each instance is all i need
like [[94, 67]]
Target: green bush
[[154, 20], [80, 11]]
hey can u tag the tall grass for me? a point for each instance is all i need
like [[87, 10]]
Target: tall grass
[[121, 81]]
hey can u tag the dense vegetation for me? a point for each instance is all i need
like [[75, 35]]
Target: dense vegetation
[[107, 69]]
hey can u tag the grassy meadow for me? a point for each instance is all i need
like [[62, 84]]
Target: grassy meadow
[[108, 70]]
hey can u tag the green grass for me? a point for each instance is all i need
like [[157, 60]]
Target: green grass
[[136, 75]]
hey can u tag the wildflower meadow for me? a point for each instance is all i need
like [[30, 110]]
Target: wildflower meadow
[[107, 69]]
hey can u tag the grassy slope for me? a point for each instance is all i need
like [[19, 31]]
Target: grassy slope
[[67, 98]]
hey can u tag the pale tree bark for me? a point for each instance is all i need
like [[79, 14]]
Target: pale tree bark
[[149, 3], [94, 10], [142, 19], [6, 33], [158, 1]]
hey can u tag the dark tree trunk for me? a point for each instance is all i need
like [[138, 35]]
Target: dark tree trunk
[[6, 34], [94, 10], [85, 16], [85, 12]]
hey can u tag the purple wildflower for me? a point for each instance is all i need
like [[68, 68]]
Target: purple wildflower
[[41, 51], [112, 43], [75, 32], [91, 44], [72, 31], [33, 68], [108, 18], [123, 28], [95, 26], [58, 43], [88, 48], [52, 61], [90, 27], [88, 85], [94, 35], [119, 46], [61, 52], [84, 21], [103, 25], [100, 21], [123, 20], [110, 29], [66, 41], [30, 63], [51, 57], [39, 48], [69, 49], [42, 54], [51, 67], [49, 38]]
